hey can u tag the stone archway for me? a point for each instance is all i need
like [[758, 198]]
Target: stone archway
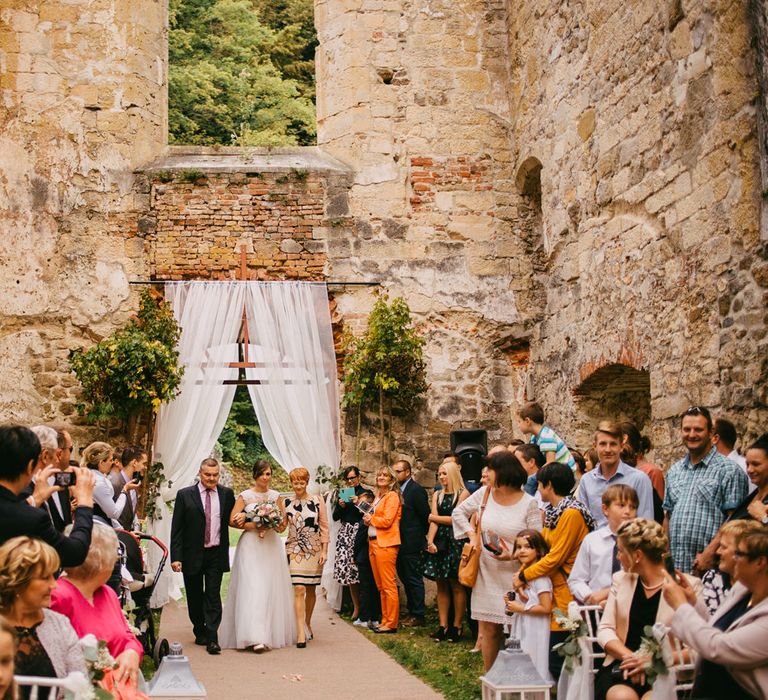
[[612, 392]]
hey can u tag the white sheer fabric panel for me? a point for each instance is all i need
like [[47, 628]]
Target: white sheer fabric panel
[[296, 401], [210, 315]]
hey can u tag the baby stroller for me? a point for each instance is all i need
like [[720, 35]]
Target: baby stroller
[[139, 587]]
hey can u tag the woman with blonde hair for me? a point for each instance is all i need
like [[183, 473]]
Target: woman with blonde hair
[[441, 562], [634, 602], [93, 607], [98, 458], [47, 645], [383, 524], [307, 548]]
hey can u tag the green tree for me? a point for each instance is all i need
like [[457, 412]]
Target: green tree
[[240, 440], [384, 368], [224, 86]]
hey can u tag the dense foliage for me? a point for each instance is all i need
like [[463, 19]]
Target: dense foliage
[[241, 72], [384, 368], [240, 440], [134, 370]]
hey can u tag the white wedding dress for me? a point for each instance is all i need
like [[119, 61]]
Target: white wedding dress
[[259, 605]]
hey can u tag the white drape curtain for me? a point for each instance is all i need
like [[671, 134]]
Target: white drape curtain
[[296, 399], [210, 316]]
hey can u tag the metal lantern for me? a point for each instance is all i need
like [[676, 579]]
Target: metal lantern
[[174, 679], [514, 677]]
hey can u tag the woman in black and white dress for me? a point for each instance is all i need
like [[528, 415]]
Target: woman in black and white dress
[[344, 568]]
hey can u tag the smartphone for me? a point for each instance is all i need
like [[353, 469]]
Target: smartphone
[[64, 479], [346, 494], [492, 542], [137, 478]]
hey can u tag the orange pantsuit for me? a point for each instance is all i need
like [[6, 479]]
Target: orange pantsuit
[[383, 554]]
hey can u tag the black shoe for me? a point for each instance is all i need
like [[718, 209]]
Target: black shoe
[[384, 630], [440, 634], [201, 641], [213, 648], [454, 634], [301, 645]]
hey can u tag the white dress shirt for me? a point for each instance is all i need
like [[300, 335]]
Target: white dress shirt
[[215, 514], [734, 456], [133, 495], [591, 571]]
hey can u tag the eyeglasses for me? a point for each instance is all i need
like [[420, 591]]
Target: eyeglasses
[[351, 478]]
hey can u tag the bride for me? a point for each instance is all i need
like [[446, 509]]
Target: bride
[[259, 609]]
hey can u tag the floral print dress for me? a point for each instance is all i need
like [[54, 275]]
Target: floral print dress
[[307, 532]]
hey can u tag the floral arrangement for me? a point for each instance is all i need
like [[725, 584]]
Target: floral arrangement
[[129, 612], [265, 515], [652, 645], [575, 624], [98, 663]]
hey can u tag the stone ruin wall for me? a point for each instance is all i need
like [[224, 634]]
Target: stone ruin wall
[[82, 104], [643, 123], [643, 116]]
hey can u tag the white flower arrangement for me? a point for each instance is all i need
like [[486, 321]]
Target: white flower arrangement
[[652, 644], [574, 623]]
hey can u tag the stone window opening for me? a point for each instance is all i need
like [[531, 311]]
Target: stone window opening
[[531, 219], [613, 392]]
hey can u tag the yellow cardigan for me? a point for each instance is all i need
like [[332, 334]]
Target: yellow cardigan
[[564, 542]]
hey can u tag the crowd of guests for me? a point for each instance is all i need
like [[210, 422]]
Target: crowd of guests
[[604, 528], [59, 568], [687, 548]]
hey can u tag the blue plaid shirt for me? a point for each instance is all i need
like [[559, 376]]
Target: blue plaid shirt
[[696, 500]]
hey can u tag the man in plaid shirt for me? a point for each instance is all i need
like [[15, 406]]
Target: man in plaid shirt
[[702, 488]]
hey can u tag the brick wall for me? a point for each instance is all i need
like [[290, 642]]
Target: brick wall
[[202, 219]]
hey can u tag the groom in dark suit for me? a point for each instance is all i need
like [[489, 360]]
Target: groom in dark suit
[[200, 549]]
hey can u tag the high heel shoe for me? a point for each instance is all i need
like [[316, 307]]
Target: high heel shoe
[[301, 645]]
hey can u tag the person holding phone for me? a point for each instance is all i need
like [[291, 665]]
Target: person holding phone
[[345, 570], [503, 509], [634, 602]]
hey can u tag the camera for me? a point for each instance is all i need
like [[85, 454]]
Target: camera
[[64, 479]]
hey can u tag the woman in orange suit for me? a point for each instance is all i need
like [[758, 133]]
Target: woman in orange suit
[[383, 544]]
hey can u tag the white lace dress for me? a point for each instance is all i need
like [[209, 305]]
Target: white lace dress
[[259, 605]]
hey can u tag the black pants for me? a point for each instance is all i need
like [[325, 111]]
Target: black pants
[[409, 571], [555, 660], [204, 596], [370, 600]]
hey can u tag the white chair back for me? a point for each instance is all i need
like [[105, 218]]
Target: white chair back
[[74, 682], [591, 614], [684, 665]]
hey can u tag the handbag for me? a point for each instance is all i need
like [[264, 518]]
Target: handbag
[[470, 553]]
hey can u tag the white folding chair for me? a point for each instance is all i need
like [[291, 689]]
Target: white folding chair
[[684, 666], [74, 682], [591, 614]]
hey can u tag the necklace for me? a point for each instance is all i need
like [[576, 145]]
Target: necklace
[[650, 588]]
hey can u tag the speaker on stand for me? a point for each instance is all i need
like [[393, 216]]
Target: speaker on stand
[[470, 446]]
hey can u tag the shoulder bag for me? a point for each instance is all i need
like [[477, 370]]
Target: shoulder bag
[[470, 553]]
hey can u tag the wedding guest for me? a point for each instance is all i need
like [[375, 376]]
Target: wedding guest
[[443, 554], [566, 523], [369, 600], [307, 549], [503, 509], [19, 450], [414, 523], [383, 544], [635, 446], [46, 643], [473, 624], [532, 459], [533, 602], [530, 420], [634, 602], [753, 507], [344, 566], [581, 464], [93, 607], [597, 560], [132, 466], [733, 645], [7, 652], [98, 457]]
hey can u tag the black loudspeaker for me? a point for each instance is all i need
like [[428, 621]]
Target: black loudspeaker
[[470, 446]]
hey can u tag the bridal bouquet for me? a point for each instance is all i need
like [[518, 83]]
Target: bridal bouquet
[[266, 515]]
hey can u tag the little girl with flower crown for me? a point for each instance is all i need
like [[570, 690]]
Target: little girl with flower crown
[[533, 603]]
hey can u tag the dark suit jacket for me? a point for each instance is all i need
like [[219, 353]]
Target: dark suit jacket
[[414, 522], [126, 517], [17, 518], [188, 528]]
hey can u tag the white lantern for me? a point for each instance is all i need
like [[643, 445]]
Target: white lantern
[[174, 679], [514, 677]]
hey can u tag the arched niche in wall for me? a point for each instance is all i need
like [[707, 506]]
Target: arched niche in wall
[[530, 220], [613, 392]]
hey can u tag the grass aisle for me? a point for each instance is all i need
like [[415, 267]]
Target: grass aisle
[[450, 668]]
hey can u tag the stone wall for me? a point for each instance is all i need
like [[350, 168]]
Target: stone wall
[[82, 105], [643, 117]]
